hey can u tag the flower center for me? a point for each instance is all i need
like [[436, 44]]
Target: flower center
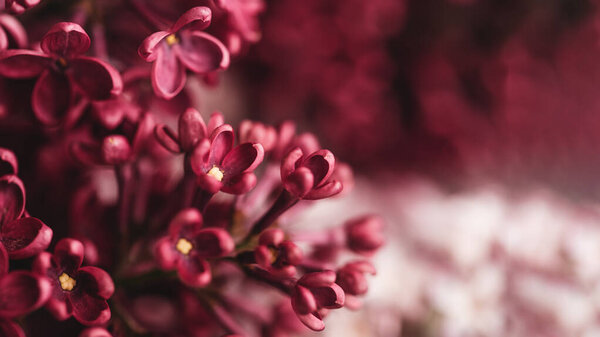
[[171, 39], [216, 173], [66, 282], [184, 246]]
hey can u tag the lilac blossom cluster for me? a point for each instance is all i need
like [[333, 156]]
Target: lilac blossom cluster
[[175, 231]]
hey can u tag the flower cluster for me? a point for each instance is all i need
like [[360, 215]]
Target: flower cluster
[[158, 230]]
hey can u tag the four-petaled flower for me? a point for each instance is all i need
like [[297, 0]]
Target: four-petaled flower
[[183, 46], [220, 166], [307, 177], [313, 293], [62, 71], [277, 255], [78, 291], [188, 245]]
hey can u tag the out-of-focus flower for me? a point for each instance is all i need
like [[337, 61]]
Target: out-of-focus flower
[[77, 291], [188, 245], [307, 177], [18, 6], [314, 292], [62, 72], [365, 235], [277, 255], [351, 277], [183, 46]]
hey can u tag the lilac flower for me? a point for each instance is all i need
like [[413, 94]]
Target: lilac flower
[[62, 72], [22, 236], [257, 132], [77, 291], [183, 46], [20, 292], [188, 245], [307, 177], [220, 166], [191, 132], [364, 234], [351, 277], [277, 255], [314, 292]]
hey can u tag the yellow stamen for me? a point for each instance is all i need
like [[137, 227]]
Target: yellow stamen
[[184, 246], [67, 282], [216, 173], [172, 39], [62, 61]]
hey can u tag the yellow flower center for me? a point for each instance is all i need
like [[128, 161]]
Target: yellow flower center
[[67, 282], [184, 246], [216, 173], [172, 39]]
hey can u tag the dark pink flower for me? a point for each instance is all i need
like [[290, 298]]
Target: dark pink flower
[[314, 292], [183, 46], [21, 236], [277, 255], [242, 22], [191, 131], [12, 34], [188, 245], [77, 291], [365, 235], [351, 277], [307, 177], [257, 132], [220, 166], [20, 293], [62, 71]]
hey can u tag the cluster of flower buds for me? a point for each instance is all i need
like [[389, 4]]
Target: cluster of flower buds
[[174, 232]]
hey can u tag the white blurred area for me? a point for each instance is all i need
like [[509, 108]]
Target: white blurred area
[[484, 262]]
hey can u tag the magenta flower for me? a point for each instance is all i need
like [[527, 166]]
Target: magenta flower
[[188, 245], [277, 255], [314, 292], [364, 235], [351, 277], [191, 131], [77, 291], [220, 166], [257, 132], [20, 293], [11, 31], [21, 236], [62, 72], [307, 177], [183, 46]]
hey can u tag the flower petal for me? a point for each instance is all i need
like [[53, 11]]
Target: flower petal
[[88, 309], [69, 254], [147, 49], [12, 198], [216, 120], [22, 292], [318, 279], [239, 184], [196, 18], [167, 138], [168, 74], [303, 301], [194, 271], [95, 332], [60, 308], [213, 242], [243, 158], [331, 297], [3, 40], [8, 162], [14, 28], [165, 254], [96, 282], [201, 52], [312, 322], [25, 237], [191, 129], [321, 163], [328, 190], [51, 97], [221, 143], [65, 39], [299, 183], [187, 221], [97, 79], [209, 183], [10, 329], [18, 63], [3, 260], [290, 162], [271, 237]]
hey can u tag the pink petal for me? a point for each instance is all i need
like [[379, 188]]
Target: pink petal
[[209, 183], [112, 112], [300, 182], [3, 260], [263, 256], [321, 163], [221, 143], [272, 237], [88, 309], [196, 18], [191, 129], [148, 48], [201, 52], [14, 28], [194, 271], [240, 184], [18, 63], [165, 253], [168, 75], [8, 162], [216, 120], [12, 198], [69, 254], [42, 263], [22, 292], [312, 322], [25, 237], [213, 242], [87, 154], [96, 282], [60, 308], [330, 297], [115, 150], [188, 220], [95, 332], [328, 190], [291, 252], [97, 79], [243, 158], [303, 300], [3, 40], [51, 97], [167, 138], [10, 329], [65, 39], [318, 279], [290, 162]]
